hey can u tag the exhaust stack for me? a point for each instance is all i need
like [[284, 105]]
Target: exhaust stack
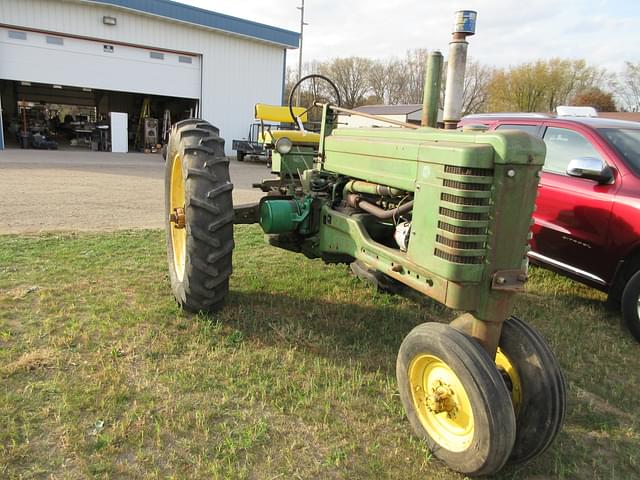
[[465, 26], [431, 96]]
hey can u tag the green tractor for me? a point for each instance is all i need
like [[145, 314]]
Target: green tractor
[[443, 213]]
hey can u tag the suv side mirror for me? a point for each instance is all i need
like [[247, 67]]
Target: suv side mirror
[[590, 168]]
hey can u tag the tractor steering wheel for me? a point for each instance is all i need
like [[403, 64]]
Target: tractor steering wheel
[[318, 92]]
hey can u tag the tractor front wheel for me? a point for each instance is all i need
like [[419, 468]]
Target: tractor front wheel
[[198, 216], [537, 387], [456, 399]]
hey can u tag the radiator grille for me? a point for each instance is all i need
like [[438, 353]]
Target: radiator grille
[[447, 197], [476, 172], [458, 244], [461, 230], [472, 216], [458, 258], [478, 187], [457, 251]]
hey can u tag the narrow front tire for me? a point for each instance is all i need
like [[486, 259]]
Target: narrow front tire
[[455, 399], [537, 387]]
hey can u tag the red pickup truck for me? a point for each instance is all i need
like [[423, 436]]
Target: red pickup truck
[[587, 218]]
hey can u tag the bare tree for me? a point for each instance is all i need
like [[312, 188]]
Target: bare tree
[[629, 87], [351, 76], [413, 68], [378, 78], [475, 94]]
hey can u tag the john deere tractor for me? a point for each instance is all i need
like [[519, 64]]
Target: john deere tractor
[[442, 213]]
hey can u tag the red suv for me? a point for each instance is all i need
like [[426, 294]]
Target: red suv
[[587, 218]]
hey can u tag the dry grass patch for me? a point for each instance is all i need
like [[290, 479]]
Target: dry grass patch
[[35, 360]]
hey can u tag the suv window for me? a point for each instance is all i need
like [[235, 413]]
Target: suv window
[[530, 129], [564, 145], [626, 141]]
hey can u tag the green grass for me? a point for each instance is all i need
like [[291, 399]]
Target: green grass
[[103, 376]]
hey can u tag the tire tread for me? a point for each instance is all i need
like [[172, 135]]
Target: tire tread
[[209, 252]]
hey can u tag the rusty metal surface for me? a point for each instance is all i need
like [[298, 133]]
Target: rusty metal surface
[[509, 280], [246, 213], [487, 333], [178, 217]]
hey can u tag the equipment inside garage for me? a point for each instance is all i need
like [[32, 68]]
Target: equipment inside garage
[[45, 116]]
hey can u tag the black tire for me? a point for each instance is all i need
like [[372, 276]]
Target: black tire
[[240, 156], [208, 216], [541, 395], [631, 305], [488, 445]]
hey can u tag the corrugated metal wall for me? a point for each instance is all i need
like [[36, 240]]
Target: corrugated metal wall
[[37, 57], [236, 72]]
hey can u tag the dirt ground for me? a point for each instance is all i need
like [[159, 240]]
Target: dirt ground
[[77, 190]]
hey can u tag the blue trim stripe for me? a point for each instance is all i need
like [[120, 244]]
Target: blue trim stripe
[[207, 18]]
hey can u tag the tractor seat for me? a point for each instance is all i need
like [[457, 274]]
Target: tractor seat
[[275, 113], [297, 137]]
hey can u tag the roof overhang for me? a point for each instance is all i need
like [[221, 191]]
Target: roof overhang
[[208, 19]]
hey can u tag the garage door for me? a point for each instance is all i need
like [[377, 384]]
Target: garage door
[[59, 60]]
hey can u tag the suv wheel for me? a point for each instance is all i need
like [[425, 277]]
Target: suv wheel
[[631, 305]]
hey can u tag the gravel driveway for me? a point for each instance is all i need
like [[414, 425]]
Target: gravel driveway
[[78, 190]]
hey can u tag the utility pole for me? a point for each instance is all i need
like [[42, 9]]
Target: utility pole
[[302, 24]]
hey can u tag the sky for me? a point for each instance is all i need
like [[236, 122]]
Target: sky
[[605, 33]]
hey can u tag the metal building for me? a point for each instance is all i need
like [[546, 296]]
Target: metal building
[[109, 55]]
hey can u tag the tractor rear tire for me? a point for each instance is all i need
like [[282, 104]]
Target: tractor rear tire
[[198, 216], [456, 399], [537, 386]]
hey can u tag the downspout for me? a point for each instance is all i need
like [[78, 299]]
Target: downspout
[[284, 76]]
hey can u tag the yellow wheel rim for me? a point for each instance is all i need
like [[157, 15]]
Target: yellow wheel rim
[[177, 217], [441, 402], [512, 379]]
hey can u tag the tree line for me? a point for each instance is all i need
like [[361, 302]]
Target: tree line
[[538, 86]]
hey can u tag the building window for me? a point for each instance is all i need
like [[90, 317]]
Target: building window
[[156, 55], [17, 35], [108, 48], [55, 40], [184, 59]]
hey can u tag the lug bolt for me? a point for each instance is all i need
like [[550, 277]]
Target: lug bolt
[[177, 217]]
